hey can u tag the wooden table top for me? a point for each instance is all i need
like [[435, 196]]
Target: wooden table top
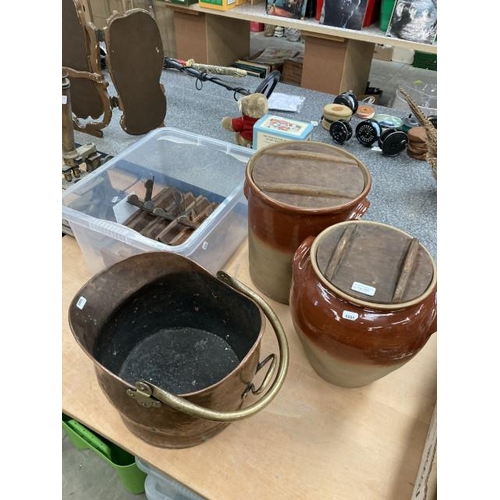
[[313, 441]]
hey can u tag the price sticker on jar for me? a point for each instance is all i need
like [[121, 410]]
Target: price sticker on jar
[[352, 316]]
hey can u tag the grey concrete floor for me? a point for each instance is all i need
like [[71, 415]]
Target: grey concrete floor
[[84, 474]]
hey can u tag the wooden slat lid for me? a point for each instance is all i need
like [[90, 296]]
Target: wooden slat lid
[[374, 262], [308, 174]]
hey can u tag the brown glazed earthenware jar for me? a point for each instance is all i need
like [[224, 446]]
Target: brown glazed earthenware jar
[[295, 189], [362, 301]]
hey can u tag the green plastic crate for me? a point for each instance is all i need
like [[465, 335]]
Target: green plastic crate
[[121, 460], [425, 61]]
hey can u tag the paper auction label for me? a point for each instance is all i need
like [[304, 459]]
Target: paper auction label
[[361, 288]]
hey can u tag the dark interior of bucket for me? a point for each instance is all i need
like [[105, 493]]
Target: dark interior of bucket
[[182, 333]]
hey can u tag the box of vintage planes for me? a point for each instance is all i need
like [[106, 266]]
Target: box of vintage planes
[[170, 191]]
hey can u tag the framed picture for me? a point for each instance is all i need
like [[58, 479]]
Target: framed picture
[[348, 14], [414, 20], [295, 9]]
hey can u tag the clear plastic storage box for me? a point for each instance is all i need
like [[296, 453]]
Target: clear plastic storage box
[[160, 486], [194, 171]]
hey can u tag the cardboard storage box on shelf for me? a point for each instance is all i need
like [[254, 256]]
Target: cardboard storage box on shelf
[[402, 55], [201, 179], [221, 4], [292, 70], [383, 52], [271, 129]]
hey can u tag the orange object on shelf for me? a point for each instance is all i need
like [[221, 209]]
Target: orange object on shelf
[[319, 8]]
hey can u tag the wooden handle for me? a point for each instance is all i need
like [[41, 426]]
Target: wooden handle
[[303, 189], [339, 252], [294, 154], [411, 257]]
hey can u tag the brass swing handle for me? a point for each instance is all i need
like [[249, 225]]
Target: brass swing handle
[[194, 410]]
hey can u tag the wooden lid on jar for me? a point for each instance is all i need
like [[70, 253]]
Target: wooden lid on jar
[[309, 174], [374, 262]]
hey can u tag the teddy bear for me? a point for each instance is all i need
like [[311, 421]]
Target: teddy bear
[[252, 107]]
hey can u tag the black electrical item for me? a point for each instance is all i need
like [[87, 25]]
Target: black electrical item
[[367, 132], [340, 131], [347, 99], [391, 141]]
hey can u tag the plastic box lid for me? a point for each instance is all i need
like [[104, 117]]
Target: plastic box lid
[[96, 207], [160, 486]]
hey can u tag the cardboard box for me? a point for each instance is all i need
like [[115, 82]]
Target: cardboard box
[[292, 70], [383, 52], [271, 129], [348, 67], [205, 37], [220, 4], [399, 54]]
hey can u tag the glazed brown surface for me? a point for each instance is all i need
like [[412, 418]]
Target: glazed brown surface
[[285, 227], [295, 190], [284, 219], [372, 336]]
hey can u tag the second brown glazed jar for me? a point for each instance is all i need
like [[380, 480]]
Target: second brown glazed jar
[[295, 189], [362, 301]]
